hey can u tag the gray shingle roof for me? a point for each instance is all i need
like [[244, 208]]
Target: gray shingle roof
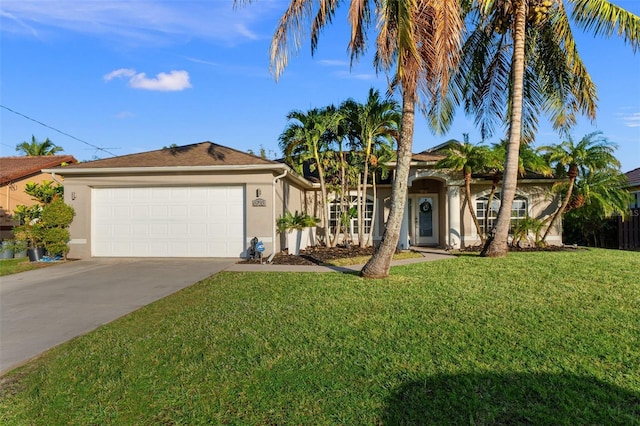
[[199, 154]]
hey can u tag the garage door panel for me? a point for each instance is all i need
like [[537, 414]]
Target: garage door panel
[[168, 222]]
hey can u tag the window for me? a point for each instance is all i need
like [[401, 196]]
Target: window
[[335, 213], [519, 211]]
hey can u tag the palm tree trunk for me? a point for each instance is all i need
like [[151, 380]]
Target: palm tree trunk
[[323, 191], [363, 201], [467, 187], [494, 188], [373, 214], [359, 210], [497, 246], [560, 210], [379, 264]]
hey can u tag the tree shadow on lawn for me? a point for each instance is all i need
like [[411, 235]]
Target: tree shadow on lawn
[[511, 399]]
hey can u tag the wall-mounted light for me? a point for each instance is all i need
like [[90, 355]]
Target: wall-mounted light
[[73, 195], [258, 192]]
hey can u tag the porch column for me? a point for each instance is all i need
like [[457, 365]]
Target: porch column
[[453, 205], [403, 241]]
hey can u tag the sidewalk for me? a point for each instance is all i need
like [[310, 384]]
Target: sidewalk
[[427, 256]]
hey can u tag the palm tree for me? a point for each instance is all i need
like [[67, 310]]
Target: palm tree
[[598, 196], [373, 123], [499, 86], [417, 43], [383, 154], [35, 148], [467, 159], [528, 161], [592, 153], [305, 139]]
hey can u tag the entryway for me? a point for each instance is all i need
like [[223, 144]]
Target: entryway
[[424, 220]]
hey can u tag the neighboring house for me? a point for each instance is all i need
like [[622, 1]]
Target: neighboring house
[[634, 187], [629, 228], [15, 173], [207, 200]]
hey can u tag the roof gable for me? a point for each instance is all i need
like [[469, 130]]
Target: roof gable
[[17, 168], [633, 177], [199, 154]]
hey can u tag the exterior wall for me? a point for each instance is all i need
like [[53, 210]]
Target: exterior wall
[[12, 195], [262, 203], [540, 206], [288, 197]]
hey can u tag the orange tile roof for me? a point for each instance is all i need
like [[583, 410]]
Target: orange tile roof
[[17, 168]]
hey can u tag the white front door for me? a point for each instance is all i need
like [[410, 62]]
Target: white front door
[[425, 220]]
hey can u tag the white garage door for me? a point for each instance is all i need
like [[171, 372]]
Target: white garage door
[[168, 222]]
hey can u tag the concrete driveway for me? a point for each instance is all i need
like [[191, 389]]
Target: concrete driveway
[[43, 308]]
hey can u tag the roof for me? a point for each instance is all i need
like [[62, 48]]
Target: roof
[[427, 156], [634, 177], [199, 154], [17, 168]]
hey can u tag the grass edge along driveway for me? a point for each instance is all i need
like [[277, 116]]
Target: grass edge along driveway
[[536, 338]]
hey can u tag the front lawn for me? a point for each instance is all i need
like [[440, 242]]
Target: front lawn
[[536, 338], [14, 266]]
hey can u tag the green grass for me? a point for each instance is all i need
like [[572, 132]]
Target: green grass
[[13, 266], [536, 338]]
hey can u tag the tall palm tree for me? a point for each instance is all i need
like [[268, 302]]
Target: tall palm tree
[[375, 122], [417, 44], [35, 148], [305, 139], [383, 154], [592, 153], [520, 63], [468, 158]]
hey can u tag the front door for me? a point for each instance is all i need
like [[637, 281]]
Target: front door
[[425, 220]]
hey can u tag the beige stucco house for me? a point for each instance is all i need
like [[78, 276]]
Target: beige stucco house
[[208, 200], [15, 173]]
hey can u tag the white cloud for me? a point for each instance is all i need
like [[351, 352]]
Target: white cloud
[[632, 120], [333, 63], [125, 114], [356, 76], [122, 72], [172, 81]]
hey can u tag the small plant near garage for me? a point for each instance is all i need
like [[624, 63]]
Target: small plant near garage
[[44, 227]]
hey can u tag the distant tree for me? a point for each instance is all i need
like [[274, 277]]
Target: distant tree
[[373, 123], [468, 159], [305, 139], [35, 148], [598, 196], [592, 153]]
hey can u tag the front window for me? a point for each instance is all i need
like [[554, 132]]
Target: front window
[[336, 211], [519, 210]]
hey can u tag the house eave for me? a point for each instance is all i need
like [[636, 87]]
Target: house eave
[[111, 171]]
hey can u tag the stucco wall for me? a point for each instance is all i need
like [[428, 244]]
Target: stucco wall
[[262, 203], [540, 204], [12, 195]]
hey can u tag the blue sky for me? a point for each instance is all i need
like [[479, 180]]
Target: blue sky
[[131, 76]]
